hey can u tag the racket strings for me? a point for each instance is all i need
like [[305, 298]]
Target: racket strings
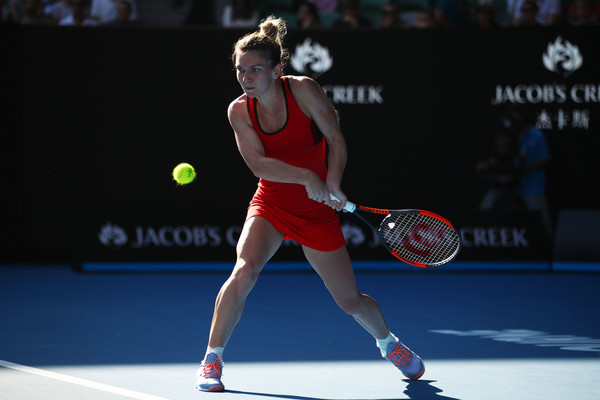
[[419, 238]]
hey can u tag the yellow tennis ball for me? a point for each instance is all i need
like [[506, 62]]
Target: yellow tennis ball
[[184, 173]]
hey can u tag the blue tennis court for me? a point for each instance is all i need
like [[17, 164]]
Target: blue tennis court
[[431, 119], [492, 335]]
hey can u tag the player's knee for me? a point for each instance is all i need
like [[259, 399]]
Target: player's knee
[[245, 275]]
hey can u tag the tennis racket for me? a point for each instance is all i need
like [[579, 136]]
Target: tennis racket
[[417, 237]]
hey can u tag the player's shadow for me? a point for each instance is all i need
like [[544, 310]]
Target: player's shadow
[[415, 390], [424, 390]]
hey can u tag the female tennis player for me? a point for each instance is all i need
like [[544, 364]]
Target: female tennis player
[[282, 126]]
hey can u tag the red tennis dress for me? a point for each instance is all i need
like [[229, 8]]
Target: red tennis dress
[[286, 205]]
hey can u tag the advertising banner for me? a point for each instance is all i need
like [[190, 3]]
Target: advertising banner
[[421, 111]]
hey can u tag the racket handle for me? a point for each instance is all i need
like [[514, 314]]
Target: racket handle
[[350, 206]]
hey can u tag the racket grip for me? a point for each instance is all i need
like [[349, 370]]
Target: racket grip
[[350, 206]]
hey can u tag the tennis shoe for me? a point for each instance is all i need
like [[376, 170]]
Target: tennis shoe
[[208, 375], [405, 360]]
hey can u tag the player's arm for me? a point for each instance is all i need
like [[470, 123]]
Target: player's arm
[[317, 106], [253, 152]]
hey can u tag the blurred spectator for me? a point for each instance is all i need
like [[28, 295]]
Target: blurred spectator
[[534, 156], [516, 171], [241, 13], [308, 16], [351, 17], [485, 14], [123, 15], [452, 13], [79, 15], [500, 173], [584, 12], [548, 11], [390, 16], [60, 9], [106, 10], [203, 12], [34, 13], [325, 6], [528, 14], [425, 19], [15, 10]]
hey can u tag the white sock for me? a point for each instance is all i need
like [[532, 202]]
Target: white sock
[[217, 350], [384, 343]]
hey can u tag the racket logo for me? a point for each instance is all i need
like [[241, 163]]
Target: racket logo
[[422, 238]]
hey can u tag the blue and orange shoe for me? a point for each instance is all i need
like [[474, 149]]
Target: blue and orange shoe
[[406, 360], [208, 375]]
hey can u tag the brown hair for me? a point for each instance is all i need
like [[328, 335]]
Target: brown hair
[[268, 40]]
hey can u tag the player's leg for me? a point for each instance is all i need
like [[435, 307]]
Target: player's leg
[[257, 244], [335, 269]]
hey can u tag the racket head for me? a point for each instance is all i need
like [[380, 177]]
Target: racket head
[[420, 238]]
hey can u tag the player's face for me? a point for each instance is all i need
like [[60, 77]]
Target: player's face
[[254, 73]]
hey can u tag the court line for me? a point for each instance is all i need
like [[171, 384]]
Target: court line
[[79, 381]]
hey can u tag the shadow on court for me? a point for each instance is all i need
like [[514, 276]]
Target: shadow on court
[[424, 390], [415, 390]]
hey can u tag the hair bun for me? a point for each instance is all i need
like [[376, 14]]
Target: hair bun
[[274, 28], [268, 40]]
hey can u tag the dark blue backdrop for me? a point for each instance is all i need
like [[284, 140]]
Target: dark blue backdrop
[[101, 116]]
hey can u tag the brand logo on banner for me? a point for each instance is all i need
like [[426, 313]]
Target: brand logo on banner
[[313, 59], [569, 101], [112, 236], [494, 236], [356, 237], [562, 57], [115, 237]]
